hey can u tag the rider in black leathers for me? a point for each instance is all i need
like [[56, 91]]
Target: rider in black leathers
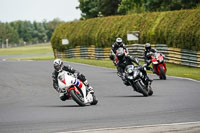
[[117, 44], [147, 56], [125, 60], [58, 66]]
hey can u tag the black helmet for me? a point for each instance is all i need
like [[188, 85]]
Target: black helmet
[[119, 41], [58, 64], [120, 53], [147, 46]]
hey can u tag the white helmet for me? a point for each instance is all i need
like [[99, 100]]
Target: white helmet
[[118, 40], [58, 64]]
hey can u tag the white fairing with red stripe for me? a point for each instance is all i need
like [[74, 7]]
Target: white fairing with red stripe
[[67, 80]]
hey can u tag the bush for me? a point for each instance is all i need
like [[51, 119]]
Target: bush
[[179, 29]]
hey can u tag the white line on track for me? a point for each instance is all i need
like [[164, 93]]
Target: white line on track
[[5, 60], [132, 127]]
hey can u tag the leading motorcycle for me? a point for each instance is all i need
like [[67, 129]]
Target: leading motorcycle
[[136, 79], [76, 89]]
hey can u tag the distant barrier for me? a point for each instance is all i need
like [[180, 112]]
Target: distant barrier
[[173, 55]]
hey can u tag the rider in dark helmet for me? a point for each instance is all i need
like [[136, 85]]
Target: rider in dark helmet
[[118, 43], [147, 57], [125, 60], [58, 66]]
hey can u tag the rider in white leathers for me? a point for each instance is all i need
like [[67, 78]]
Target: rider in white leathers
[[58, 66]]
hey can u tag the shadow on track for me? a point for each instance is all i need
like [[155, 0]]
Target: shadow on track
[[126, 96], [59, 106]]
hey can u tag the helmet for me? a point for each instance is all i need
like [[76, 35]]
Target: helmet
[[147, 46], [120, 53], [119, 41], [58, 64]]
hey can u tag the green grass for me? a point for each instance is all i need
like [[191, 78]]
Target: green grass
[[172, 69], [29, 49], [34, 58]]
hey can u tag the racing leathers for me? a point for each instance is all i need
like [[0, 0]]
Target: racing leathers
[[147, 57], [114, 49], [63, 96]]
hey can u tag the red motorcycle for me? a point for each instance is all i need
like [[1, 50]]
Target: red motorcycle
[[159, 65]]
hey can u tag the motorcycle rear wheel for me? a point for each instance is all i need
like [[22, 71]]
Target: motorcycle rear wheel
[[141, 89], [77, 98]]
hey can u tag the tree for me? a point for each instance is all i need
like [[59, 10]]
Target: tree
[[93, 8], [7, 32], [89, 8], [169, 5], [109, 7], [51, 25]]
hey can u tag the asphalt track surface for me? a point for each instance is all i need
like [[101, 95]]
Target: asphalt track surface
[[29, 104]]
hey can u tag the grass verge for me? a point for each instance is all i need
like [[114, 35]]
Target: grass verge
[[29, 49], [172, 69]]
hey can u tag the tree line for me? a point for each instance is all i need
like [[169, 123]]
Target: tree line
[[27, 32], [98, 8]]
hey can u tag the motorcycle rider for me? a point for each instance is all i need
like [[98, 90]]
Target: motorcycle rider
[[117, 44], [147, 55], [58, 66], [125, 60]]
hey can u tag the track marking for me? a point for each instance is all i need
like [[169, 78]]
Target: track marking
[[131, 127]]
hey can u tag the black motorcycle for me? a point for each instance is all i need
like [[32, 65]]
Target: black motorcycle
[[136, 79]]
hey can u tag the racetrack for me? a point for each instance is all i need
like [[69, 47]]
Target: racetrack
[[28, 102]]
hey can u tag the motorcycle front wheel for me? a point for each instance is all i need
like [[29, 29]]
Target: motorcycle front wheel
[[78, 98], [162, 73], [95, 101]]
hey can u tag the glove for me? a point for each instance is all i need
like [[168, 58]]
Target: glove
[[81, 77], [111, 57]]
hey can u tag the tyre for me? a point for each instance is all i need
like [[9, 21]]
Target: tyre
[[162, 73], [150, 93], [95, 101], [141, 89], [78, 98]]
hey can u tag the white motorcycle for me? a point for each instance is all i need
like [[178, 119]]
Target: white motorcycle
[[76, 89]]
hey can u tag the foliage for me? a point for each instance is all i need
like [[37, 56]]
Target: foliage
[[178, 29], [95, 8], [26, 31], [169, 5], [29, 49], [8, 32], [131, 6]]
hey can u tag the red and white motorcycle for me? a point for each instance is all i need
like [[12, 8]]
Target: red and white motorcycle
[[159, 65], [76, 89]]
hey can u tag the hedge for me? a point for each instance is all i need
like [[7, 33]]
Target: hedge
[[178, 29]]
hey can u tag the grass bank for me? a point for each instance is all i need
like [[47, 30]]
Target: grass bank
[[29, 49], [172, 69]]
